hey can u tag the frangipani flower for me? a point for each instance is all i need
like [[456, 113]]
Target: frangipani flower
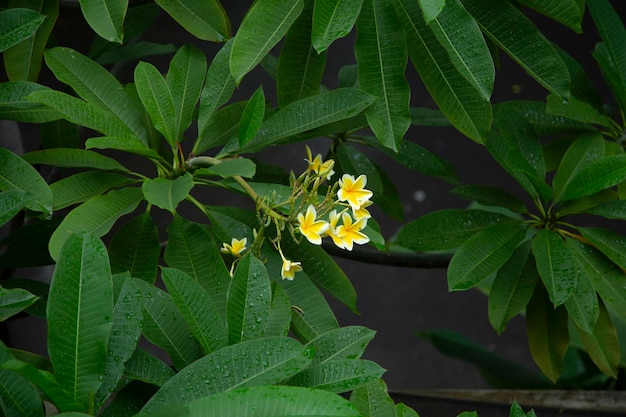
[[319, 166], [362, 212], [353, 190], [236, 247], [289, 269], [333, 219], [350, 233], [311, 228]]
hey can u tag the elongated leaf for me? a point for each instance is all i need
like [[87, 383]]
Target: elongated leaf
[[548, 337], [512, 287], [12, 301], [584, 150], [206, 20], [156, 96], [82, 186], [608, 242], [130, 145], [341, 344], [73, 158], [610, 73], [372, 400], [95, 85], [249, 297], [483, 254], [262, 361], [165, 326], [252, 117], [307, 114], [185, 77], [11, 202], [582, 307], [197, 309], [165, 193], [596, 176], [522, 41], [490, 196], [338, 376], [17, 24], [97, 215], [265, 23], [80, 310], [17, 174], [135, 248], [578, 110], [602, 343], [447, 229], [19, 397], [220, 128], [300, 66], [568, 12], [60, 134], [218, 88], [143, 366], [231, 167], [610, 210], [403, 410], [135, 51], [22, 61], [333, 19], [457, 98], [81, 113], [381, 56], [15, 106], [106, 17], [279, 320], [125, 332]]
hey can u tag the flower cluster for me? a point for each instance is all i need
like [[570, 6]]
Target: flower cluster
[[339, 213]]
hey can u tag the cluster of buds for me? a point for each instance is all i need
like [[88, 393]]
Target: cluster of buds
[[341, 214]]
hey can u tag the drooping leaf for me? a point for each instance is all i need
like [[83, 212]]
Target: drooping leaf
[[611, 210], [135, 248], [262, 361], [130, 145], [490, 196], [218, 88], [582, 307], [17, 174], [79, 312], [11, 202], [265, 23], [338, 376], [19, 397], [206, 20], [252, 117], [165, 193], [231, 167], [381, 55], [608, 242], [333, 19], [143, 366], [482, 254], [598, 175], [17, 24], [15, 106], [340, 344], [97, 215], [73, 158], [372, 400], [610, 74], [106, 17], [82, 186], [568, 12], [197, 309], [578, 110]]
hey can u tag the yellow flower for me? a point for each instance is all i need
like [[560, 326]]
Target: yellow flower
[[236, 247], [289, 269], [362, 212], [319, 166], [353, 190], [312, 229], [333, 219], [350, 233]]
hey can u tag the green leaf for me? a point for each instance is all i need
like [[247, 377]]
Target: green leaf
[[610, 74], [338, 376], [60, 134], [582, 306], [135, 248], [447, 229], [602, 344], [143, 366], [230, 167], [300, 66], [95, 85], [598, 175], [80, 311], [381, 55], [333, 19], [307, 114], [568, 12], [431, 9], [265, 23], [12, 301], [610, 210], [490, 196], [83, 186], [556, 265], [372, 400], [344, 343], [28, 246], [165, 326], [106, 17], [19, 397], [255, 362], [512, 287], [251, 117], [483, 254], [130, 145], [578, 110], [460, 102], [609, 242], [16, 25], [15, 106], [206, 20], [522, 41], [82, 113], [185, 78], [460, 36], [582, 152], [218, 88], [135, 51], [165, 193], [279, 320], [22, 61], [197, 309], [73, 158], [220, 128], [249, 297], [548, 337], [17, 174], [403, 410], [97, 215], [11, 202], [156, 97], [191, 249], [125, 332]]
